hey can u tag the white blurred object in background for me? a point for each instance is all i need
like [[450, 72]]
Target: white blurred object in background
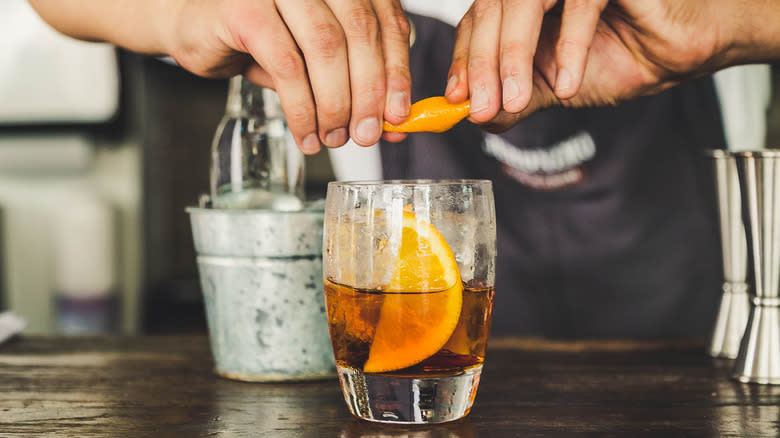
[[10, 325], [85, 266], [744, 94], [48, 78]]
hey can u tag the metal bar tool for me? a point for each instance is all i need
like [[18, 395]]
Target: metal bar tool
[[758, 360], [734, 304]]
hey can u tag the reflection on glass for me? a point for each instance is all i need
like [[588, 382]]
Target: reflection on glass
[[355, 429]]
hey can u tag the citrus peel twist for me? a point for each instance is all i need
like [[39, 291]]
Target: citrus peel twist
[[434, 114]]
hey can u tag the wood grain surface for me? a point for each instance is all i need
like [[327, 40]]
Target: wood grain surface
[[164, 386]]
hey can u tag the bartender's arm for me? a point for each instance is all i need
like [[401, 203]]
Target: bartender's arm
[[516, 57], [340, 66]]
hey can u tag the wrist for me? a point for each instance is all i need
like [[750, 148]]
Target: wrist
[[749, 33], [168, 24]]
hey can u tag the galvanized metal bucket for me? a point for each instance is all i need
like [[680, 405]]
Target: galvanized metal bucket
[[261, 275]]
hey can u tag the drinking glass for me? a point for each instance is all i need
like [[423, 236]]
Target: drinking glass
[[409, 269]]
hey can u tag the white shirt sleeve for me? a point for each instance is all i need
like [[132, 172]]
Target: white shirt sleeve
[[449, 11], [356, 163]]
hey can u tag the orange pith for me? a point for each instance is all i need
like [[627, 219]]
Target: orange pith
[[434, 114], [421, 304]]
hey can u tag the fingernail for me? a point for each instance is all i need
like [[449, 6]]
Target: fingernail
[[563, 82], [452, 83], [367, 130], [511, 90], [479, 100], [336, 137], [311, 144], [399, 104]]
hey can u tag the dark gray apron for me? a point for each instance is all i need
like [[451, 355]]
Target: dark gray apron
[[607, 224]]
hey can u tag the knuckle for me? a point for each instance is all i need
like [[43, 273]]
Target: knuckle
[[459, 60], [300, 116], [515, 49], [328, 40], [362, 22], [398, 76], [480, 62], [577, 6], [572, 46], [334, 112], [287, 63], [371, 96], [397, 26], [483, 8]]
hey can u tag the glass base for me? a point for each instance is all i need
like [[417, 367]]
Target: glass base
[[400, 399]]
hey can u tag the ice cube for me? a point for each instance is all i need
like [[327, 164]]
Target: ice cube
[[258, 199]]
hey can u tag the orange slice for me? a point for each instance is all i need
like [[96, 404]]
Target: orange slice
[[423, 305]]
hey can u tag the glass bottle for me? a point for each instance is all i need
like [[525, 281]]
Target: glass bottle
[[255, 162]]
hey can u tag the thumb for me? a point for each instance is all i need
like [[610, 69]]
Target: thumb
[[542, 97]]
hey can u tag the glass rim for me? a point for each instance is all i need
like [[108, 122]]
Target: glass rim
[[410, 182]]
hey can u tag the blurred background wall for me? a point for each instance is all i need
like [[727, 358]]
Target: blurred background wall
[[121, 142]]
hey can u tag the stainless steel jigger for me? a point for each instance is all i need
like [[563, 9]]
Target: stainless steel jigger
[[734, 303], [759, 354]]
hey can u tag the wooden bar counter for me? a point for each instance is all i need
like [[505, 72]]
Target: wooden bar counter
[[164, 386]]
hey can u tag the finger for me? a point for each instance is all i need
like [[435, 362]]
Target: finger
[[521, 24], [366, 67], [321, 39], [457, 79], [578, 24], [483, 75], [255, 74], [395, 29], [394, 137], [269, 42], [542, 94], [542, 97]]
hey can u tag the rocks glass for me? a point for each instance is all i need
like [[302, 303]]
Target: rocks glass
[[409, 271]]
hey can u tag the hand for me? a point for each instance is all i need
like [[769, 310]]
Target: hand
[[514, 57], [340, 67]]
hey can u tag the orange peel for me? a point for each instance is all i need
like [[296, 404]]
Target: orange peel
[[434, 114]]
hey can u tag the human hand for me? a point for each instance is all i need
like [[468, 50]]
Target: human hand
[[515, 57], [340, 67]]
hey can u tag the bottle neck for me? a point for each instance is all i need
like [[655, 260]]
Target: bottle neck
[[245, 99]]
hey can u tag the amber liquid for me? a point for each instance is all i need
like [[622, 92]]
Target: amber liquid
[[353, 315]]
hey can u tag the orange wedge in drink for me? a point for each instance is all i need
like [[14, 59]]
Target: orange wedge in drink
[[422, 302]]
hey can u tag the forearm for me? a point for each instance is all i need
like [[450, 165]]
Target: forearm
[[139, 25], [752, 32]]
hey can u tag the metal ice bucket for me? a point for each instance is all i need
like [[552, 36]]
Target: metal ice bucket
[[261, 275]]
